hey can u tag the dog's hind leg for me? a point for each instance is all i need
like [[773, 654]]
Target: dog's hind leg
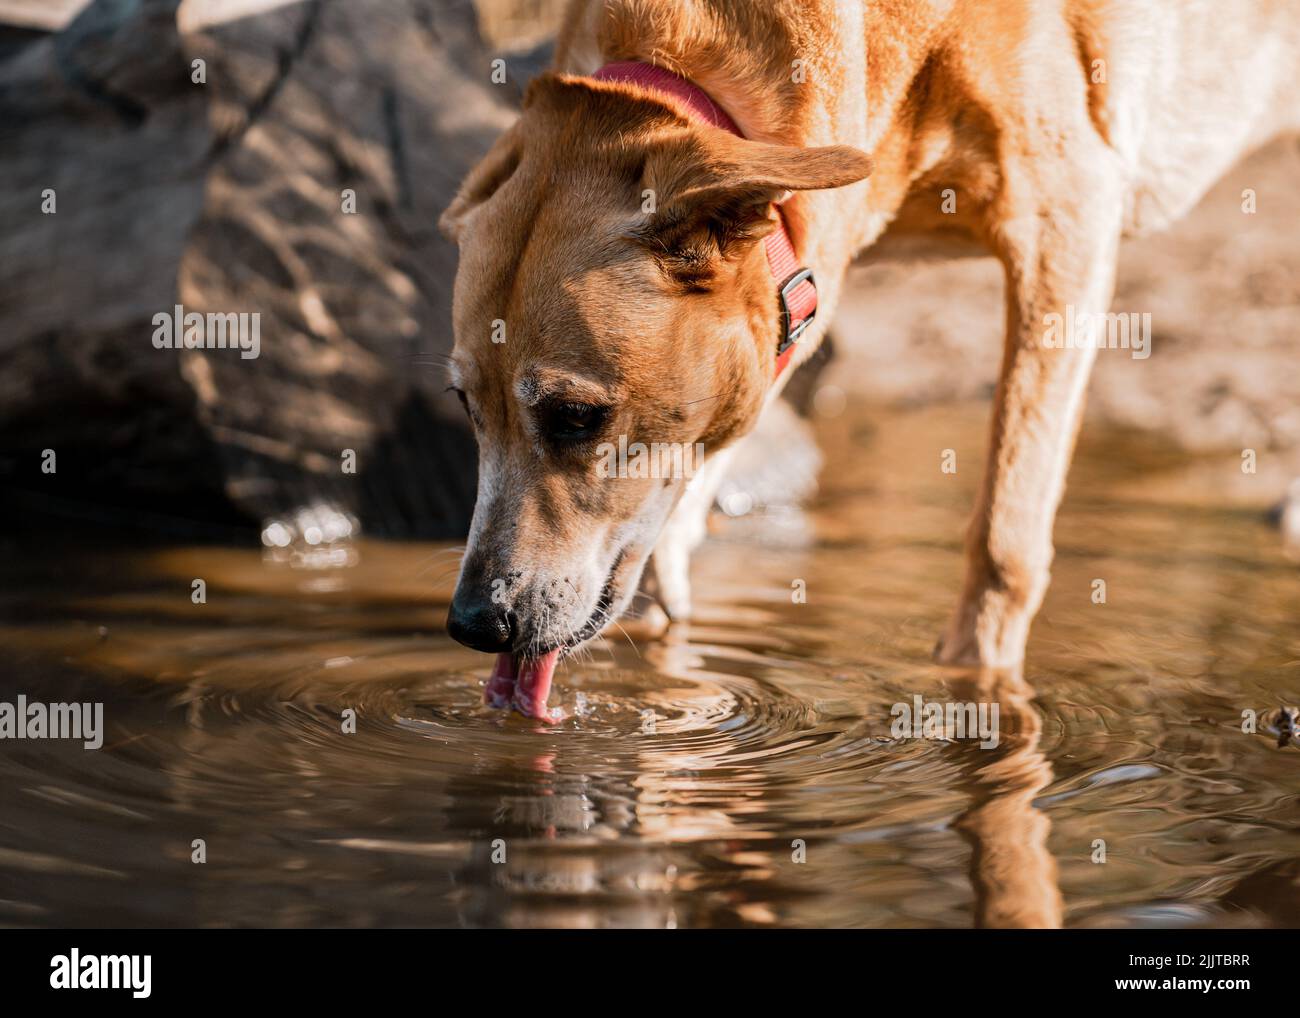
[[1059, 256]]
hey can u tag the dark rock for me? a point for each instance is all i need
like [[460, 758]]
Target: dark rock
[[227, 196]]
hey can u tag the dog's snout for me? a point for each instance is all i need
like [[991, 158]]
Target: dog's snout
[[482, 625]]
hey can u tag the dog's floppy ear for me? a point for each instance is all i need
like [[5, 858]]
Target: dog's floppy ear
[[725, 200], [493, 170]]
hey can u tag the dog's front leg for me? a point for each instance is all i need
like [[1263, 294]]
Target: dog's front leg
[[670, 565], [1060, 260]]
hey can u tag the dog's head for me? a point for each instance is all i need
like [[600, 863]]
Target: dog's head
[[613, 311]]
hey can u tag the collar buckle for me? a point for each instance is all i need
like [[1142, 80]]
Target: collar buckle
[[790, 329]]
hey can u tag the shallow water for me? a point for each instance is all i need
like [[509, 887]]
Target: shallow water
[[741, 771]]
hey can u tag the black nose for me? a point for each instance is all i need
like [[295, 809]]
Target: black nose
[[483, 625]]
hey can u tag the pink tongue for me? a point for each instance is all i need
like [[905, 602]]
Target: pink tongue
[[534, 685], [501, 686]]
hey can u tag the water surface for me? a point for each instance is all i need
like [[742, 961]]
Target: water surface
[[740, 772]]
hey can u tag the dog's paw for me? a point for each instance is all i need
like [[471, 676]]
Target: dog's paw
[[958, 651], [987, 640]]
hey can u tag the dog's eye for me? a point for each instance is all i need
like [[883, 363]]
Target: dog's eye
[[570, 421]]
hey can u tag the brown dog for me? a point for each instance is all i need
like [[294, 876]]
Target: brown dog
[[617, 283]]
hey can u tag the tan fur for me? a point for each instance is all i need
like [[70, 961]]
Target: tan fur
[[999, 101]]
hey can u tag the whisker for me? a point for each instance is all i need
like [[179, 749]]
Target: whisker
[[631, 642]]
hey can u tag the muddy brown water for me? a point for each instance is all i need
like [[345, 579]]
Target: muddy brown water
[[742, 771]]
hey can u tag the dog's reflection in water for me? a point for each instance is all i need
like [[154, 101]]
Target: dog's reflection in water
[[1012, 871]]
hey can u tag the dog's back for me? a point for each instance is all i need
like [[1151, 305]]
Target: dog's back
[[1178, 89]]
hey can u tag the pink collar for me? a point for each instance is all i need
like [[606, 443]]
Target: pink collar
[[796, 290]]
